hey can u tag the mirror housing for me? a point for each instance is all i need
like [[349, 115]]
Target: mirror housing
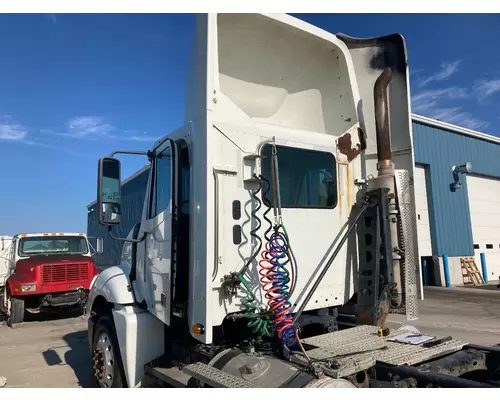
[[109, 191], [99, 245]]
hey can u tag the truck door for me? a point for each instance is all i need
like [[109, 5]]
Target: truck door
[[160, 243]]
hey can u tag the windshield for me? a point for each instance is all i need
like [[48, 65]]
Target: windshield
[[52, 245]]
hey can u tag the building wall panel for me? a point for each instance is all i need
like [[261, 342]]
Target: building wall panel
[[439, 150]]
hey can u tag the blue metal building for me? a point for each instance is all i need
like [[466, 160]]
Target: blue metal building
[[464, 219]]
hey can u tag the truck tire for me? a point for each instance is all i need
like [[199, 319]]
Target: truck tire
[[107, 365], [16, 315]]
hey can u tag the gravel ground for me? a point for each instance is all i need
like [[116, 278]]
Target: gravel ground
[[46, 351]]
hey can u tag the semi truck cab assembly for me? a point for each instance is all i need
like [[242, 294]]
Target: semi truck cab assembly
[[44, 271], [277, 232]]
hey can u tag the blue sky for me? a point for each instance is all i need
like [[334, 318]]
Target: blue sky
[[76, 87]]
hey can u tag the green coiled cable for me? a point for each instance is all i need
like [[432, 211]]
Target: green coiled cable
[[261, 325]]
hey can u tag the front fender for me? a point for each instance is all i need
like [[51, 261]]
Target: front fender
[[114, 285]]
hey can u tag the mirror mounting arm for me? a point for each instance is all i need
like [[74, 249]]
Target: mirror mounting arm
[[125, 239], [149, 154], [141, 153]]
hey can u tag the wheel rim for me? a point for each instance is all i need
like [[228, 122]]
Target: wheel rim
[[103, 361]]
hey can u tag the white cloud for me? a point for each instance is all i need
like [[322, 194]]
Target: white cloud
[[138, 136], [485, 88], [18, 133], [12, 132], [91, 126], [15, 132], [447, 104], [429, 99], [440, 104], [417, 71], [456, 116], [96, 128], [447, 70], [142, 138]]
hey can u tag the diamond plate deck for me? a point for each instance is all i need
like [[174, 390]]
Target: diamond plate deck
[[343, 337], [343, 343], [215, 377], [360, 347]]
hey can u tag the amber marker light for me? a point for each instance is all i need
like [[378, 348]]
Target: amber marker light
[[198, 329]]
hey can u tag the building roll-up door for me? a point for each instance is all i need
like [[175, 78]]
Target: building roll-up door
[[423, 227], [423, 221], [484, 206]]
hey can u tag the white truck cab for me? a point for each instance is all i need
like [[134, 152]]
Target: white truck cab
[[283, 204]]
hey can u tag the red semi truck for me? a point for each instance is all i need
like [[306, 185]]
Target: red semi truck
[[41, 271]]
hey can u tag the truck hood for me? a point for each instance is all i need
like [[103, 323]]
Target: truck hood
[[55, 259]]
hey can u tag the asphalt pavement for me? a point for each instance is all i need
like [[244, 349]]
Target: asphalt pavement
[[52, 350]]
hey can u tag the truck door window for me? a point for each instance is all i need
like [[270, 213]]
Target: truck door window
[[307, 177], [162, 183]]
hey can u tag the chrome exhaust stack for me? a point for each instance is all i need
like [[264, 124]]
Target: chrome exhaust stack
[[386, 178]]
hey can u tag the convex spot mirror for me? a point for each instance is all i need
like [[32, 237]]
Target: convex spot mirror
[[109, 191]]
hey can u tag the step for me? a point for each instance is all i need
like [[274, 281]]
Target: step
[[172, 376], [215, 377]]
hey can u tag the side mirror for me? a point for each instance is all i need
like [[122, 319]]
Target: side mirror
[[109, 191], [99, 245]]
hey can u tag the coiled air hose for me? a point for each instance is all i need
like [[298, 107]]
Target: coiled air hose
[[253, 232], [266, 200], [270, 229], [275, 280], [274, 275], [259, 321]]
